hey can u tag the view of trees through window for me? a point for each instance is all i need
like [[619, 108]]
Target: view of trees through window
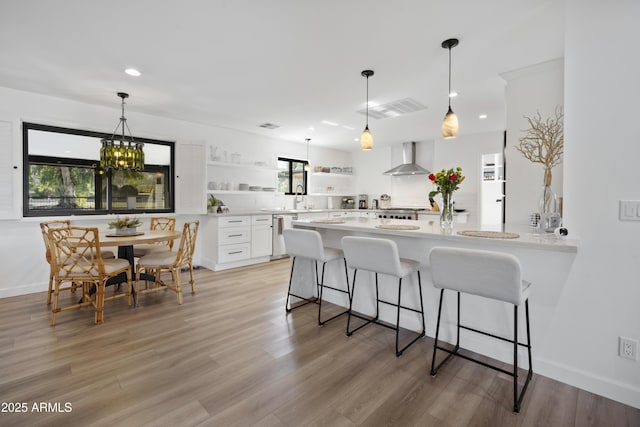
[[63, 175], [292, 177]]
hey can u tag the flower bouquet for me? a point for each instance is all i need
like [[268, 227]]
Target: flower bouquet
[[446, 183]]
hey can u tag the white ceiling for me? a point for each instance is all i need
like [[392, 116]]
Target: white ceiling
[[294, 63]]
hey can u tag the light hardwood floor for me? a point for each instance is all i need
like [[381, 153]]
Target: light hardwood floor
[[230, 355]]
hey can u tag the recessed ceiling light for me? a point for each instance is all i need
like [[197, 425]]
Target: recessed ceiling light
[[482, 116], [356, 139], [312, 128], [327, 122], [348, 127], [133, 72], [453, 94]]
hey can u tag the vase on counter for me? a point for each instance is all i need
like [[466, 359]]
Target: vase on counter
[[548, 206], [446, 213]]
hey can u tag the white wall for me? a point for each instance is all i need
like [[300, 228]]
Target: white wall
[[601, 298], [538, 88], [22, 249]]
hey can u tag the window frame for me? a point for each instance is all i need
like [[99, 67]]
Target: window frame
[[290, 162], [100, 179]]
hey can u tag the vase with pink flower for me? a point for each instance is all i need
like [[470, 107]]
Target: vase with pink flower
[[446, 182]]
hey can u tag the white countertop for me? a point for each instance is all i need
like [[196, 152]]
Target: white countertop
[[267, 211], [431, 230]]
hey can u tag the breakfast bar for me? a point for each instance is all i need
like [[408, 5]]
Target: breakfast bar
[[546, 262]]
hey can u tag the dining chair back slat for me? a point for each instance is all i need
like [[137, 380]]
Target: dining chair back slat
[[172, 261], [76, 258]]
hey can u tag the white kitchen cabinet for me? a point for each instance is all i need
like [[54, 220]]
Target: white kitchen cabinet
[[9, 173], [190, 179], [261, 236], [492, 190], [337, 214], [458, 217], [312, 215], [236, 240]]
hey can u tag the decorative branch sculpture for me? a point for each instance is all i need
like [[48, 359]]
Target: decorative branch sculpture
[[544, 142]]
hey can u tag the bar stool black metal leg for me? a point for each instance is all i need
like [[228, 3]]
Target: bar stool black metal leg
[[458, 326], [353, 291], [398, 352], [351, 314], [516, 405], [287, 307], [434, 368], [322, 286], [421, 305]]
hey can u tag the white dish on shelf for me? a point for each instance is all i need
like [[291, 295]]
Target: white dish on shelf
[[255, 188], [269, 189]]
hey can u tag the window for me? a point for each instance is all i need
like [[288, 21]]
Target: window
[[62, 175], [291, 175]]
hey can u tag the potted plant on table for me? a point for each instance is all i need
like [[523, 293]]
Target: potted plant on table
[[125, 226]]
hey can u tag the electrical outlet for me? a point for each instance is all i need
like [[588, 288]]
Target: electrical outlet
[[628, 348]]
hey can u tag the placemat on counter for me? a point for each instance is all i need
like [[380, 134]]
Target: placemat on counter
[[491, 234], [398, 227]]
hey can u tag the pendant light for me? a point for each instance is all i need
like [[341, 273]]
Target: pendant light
[[366, 139], [307, 166], [450, 122], [121, 151]]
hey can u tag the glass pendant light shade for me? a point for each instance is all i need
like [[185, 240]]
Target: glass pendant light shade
[[121, 151], [450, 125], [450, 122], [366, 140]]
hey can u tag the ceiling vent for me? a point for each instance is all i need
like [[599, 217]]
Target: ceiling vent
[[269, 126], [394, 109]]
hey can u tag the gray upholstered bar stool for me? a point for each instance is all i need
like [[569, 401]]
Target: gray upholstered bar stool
[[381, 256], [308, 244], [487, 274]]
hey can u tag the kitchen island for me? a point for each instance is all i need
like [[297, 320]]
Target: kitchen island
[[546, 262]]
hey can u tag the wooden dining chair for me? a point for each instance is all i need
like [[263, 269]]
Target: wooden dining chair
[[76, 259], [44, 228], [172, 261], [166, 223]]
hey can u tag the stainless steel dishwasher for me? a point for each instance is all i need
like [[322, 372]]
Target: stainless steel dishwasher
[[280, 223]]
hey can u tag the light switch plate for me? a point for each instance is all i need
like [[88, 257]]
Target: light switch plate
[[629, 210]]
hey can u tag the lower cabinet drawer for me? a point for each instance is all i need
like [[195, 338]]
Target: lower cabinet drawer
[[237, 252], [232, 235]]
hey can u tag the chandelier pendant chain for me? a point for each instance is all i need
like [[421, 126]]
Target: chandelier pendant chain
[[120, 151]]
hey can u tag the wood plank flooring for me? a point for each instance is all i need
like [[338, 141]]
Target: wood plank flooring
[[231, 356]]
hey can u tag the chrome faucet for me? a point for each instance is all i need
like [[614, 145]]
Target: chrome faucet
[[296, 194]]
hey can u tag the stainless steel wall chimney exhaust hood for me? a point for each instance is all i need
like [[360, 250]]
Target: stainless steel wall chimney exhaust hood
[[408, 166]]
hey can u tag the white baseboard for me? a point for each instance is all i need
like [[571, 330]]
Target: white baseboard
[[23, 290], [615, 390]]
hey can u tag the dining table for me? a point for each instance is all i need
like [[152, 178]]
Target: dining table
[[125, 244]]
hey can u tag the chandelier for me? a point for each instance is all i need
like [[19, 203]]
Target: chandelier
[[121, 151]]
